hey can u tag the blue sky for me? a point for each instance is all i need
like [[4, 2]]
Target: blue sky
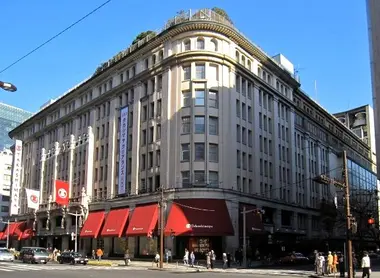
[[326, 39]]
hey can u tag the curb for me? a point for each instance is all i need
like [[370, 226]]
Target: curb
[[101, 264]]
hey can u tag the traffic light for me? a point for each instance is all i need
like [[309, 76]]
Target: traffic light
[[371, 222], [73, 236], [354, 227]]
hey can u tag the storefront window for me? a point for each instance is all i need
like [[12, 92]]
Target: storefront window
[[199, 245], [148, 246], [120, 245]]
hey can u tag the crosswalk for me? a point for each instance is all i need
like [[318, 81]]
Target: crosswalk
[[13, 267]]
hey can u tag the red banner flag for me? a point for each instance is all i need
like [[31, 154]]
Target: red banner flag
[[61, 193]]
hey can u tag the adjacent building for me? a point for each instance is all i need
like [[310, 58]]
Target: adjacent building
[[5, 182], [10, 118], [199, 114], [373, 11]]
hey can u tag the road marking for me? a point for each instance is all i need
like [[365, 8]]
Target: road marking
[[6, 270]]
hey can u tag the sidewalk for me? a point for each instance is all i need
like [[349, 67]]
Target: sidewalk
[[179, 267]]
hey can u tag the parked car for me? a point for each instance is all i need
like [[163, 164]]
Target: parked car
[[35, 255], [294, 258], [6, 255], [72, 258]]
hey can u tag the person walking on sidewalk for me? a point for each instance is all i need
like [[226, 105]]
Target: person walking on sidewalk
[[213, 259], [330, 260], [342, 269], [127, 259], [208, 260], [192, 258], [99, 254], [366, 265], [225, 260], [186, 257], [321, 264]]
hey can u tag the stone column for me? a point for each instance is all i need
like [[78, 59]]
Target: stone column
[[90, 161], [71, 149], [42, 175]]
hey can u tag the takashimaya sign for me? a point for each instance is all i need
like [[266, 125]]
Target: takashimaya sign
[[16, 178], [123, 157]]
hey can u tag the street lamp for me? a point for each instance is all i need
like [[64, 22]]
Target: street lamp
[[8, 86], [76, 214], [6, 222]]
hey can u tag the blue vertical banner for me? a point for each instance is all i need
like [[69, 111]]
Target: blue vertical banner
[[123, 150]]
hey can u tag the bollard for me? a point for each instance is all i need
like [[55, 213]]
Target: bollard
[[177, 265], [152, 263]]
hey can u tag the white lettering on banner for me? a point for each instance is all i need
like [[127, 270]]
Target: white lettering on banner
[[16, 178], [123, 149], [137, 229], [111, 230], [196, 226], [87, 231]]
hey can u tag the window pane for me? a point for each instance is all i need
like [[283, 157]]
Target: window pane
[[185, 152], [200, 71], [200, 44], [213, 99], [199, 98], [213, 153], [199, 124], [186, 125], [199, 176], [213, 126], [199, 151], [213, 179], [186, 73], [186, 99]]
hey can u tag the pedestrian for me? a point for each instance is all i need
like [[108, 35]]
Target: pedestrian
[[192, 258], [366, 265], [93, 254], [342, 269], [169, 255], [208, 260], [228, 260], [157, 259], [127, 259], [330, 260], [99, 254], [213, 259], [224, 258], [316, 259], [335, 263], [321, 264], [186, 257]]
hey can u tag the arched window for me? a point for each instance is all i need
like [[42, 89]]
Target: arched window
[[249, 64], [200, 43], [214, 45], [187, 45], [237, 56], [146, 63], [154, 59], [243, 60], [161, 55]]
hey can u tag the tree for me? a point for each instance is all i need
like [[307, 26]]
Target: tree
[[142, 35], [221, 12]]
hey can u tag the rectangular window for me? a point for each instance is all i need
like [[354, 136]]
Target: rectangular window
[[213, 153], [199, 177], [213, 126], [158, 132], [186, 99], [185, 152], [237, 108], [200, 124], [199, 151], [185, 125], [186, 73], [213, 179], [185, 178], [199, 97], [213, 99], [238, 159], [200, 71]]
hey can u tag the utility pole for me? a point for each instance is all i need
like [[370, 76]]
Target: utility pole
[[348, 217], [8, 234], [162, 227], [323, 179], [75, 236]]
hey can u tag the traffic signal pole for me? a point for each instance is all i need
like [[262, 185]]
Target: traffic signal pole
[[323, 179]]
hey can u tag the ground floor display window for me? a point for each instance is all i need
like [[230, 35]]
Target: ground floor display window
[[199, 245], [147, 246], [120, 244]]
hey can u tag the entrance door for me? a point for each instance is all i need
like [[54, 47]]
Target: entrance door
[[57, 243]]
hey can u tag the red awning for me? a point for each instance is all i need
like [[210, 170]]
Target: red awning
[[115, 222], [143, 220], [13, 226], [93, 224], [253, 222], [28, 232], [1, 235], [199, 217]]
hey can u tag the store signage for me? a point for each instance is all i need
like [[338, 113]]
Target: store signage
[[110, 230], [16, 178], [123, 147], [196, 226], [137, 229], [87, 231]]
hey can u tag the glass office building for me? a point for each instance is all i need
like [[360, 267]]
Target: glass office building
[[10, 118], [363, 191]]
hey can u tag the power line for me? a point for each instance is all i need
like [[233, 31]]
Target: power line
[[55, 36]]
